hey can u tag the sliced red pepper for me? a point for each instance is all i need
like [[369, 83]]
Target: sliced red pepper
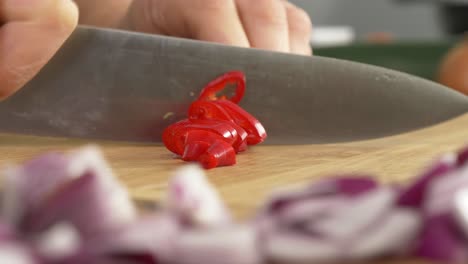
[[216, 128], [174, 136], [204, 110], [217, 85], [209, 149], [208, 110], [194, 149], [256, 131], [219, 154]]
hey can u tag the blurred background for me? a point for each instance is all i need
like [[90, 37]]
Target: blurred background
[[414, 36]]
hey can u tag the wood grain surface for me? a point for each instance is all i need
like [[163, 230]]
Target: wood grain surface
[[145, 168]]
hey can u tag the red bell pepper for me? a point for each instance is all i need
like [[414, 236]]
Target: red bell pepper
[[217, 127]]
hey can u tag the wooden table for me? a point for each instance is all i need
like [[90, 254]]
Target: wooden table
[[146, 168]]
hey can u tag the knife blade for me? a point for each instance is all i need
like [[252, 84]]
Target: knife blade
[[118, 85]]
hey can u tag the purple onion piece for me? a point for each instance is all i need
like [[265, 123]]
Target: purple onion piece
[[462, 157], [414, 195], [148, 240], [74, 187], [301, 213], [220, 245], [51, 200], [353, 186], [7, 233], [440, 198], [152, 238], [442, 241], [15, 253], [88, 205], [460, 213], [193, 199], [393, 236], [357, 215], [282, 199], [29, 184], [58, 243], [131, 258], [354, 227], [346, 186], [282, 246]]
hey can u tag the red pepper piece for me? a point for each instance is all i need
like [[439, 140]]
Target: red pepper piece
[[194, 149], [219, 154], [209, 149], [174, 136], [256, 131], [217, 85], [203, 110], [197, 142], [217, 128]]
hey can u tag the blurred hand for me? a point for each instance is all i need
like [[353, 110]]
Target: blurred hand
[[266, 24], [31, 31]]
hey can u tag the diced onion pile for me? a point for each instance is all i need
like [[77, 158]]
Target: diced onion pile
[[68, 208]]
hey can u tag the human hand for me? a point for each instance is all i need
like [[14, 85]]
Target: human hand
[[265, 24], [31, 32]]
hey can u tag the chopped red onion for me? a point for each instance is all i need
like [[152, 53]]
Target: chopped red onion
[[87, 190], [415, 194], [339, 226], [444, 207], [236, 244], [29, 184], [326, 190], [441, 192], [15, 253], [462, 157], [70, 209], [194, 200], [59, 242], [78, 202], [442, 241], [282, 246], [152, 237], [461, 210]]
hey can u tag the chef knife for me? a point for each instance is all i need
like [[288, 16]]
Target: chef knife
[[119, 85]]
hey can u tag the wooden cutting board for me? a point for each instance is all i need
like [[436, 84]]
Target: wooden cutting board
[[145, 168]]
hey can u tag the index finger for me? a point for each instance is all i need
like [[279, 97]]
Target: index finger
[[206, 20], [216, 21], [31, 32]]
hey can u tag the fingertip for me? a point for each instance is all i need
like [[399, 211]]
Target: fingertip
[[300, 29], [4, 94], [216, 21], [70, 15], [30, 40], [265, 24], [63, 17]]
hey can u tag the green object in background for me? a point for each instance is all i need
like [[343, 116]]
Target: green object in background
[[420, 59]]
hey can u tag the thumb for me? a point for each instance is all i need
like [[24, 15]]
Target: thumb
[[31, 32]]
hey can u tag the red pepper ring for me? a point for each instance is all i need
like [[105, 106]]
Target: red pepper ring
[[217, 128], [256, 131], [217, 85], [175, 136]]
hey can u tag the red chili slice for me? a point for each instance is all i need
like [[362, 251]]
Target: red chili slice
[[216, 128], [204, 110], [174, 136], [256, 131], [209, 149], [217, 85], [219, 154], [194, 149]]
